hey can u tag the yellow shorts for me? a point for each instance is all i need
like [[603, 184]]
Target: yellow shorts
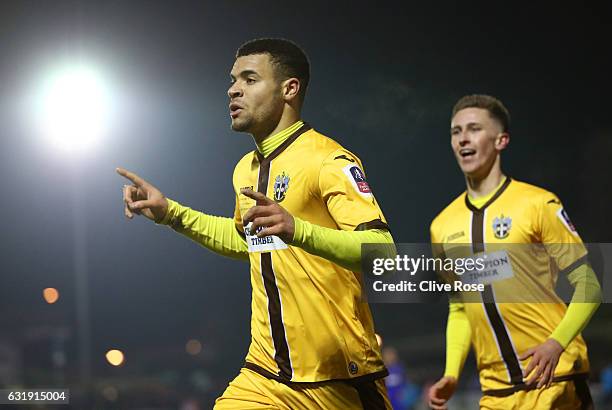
[[252, 391], [566, 395]]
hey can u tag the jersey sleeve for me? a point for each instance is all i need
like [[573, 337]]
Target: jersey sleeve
[[345, 190], [559, 235], [213, 232], [340, 246], [458, 337], [585, 301]]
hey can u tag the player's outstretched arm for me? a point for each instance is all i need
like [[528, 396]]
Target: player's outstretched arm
[[213, 232]]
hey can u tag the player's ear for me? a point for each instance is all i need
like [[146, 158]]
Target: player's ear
[[502, 140], [290, 88]]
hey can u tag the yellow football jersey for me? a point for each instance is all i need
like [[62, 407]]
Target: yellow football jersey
[[308, 321], [518, 213]]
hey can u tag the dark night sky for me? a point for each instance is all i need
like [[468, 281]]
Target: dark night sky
[[383, 82]]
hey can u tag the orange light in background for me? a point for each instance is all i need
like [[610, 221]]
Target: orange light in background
[[193, 347], [379, 339], [51, 295], [115, 357]]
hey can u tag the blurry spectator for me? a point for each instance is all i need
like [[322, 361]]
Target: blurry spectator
[[606, 385], [403, 394]]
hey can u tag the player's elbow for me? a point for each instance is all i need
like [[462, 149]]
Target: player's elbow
[[379, 247]]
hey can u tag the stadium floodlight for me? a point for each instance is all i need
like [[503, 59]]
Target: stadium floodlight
[[73, 107]]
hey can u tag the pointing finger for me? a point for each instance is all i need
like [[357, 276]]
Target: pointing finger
[[132, 177], [257, 196]]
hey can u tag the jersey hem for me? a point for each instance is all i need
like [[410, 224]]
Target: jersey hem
[[269, 375], [522, 386]]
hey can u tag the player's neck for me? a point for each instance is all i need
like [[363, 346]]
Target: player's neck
[[483, 185], [289, 117]]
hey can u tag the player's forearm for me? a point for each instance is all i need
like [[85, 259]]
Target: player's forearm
[[216, 233], [585, 301], [458, 336], [341, 247]]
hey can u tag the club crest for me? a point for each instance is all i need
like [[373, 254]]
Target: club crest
[[281, 185], [501, 227]]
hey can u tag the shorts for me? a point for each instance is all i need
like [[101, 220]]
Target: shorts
[[564, 395], [252, 391]]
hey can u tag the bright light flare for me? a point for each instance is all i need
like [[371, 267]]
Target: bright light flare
[[73, 107], [115, 357]]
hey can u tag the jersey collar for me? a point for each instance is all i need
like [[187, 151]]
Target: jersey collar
[[305, 127], [270, 143], [497, 194]]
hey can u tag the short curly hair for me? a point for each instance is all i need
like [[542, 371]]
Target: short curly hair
[[288, 58]]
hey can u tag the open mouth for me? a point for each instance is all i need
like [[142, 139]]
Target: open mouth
[[467, 152], [234, 110]]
